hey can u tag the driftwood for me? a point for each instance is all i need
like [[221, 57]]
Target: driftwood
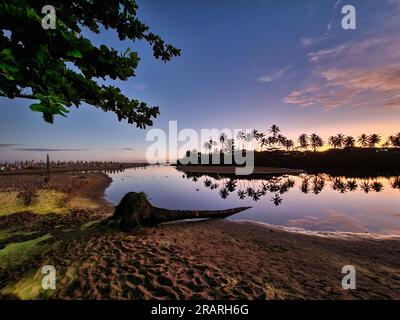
[[134, 210]]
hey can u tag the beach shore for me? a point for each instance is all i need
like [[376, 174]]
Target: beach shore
[[74, 168], [211, 259]]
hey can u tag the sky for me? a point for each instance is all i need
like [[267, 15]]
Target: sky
[[245, 64]]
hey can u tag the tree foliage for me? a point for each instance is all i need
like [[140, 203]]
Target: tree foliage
[[36, 63]]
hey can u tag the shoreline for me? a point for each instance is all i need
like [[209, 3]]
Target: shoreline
[[74, 169], [207, 259], [342, 235]]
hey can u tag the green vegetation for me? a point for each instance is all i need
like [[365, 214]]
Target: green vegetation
[[17, 254], [48, 201], [6, 234], [59, 67]]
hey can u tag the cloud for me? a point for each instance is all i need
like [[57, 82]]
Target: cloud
[[277, 74], [47, 150], [121, 149], [379, 88], [350, 50], [363, 74]]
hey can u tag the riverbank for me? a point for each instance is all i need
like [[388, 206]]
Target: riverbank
[[212, 259]]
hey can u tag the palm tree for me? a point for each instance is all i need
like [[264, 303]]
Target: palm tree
[[394, 141], [256, 134], [264, 142], [373, 140], [274, 130], [209, 144], [363, 140], [303, 141], [240, 136], [288, 144], [230, 146], [259, 136], [349, 142], [249, 137], [316, 142], [340, 139], [332, 141], [281, 140], [336, 141], [222, 140]]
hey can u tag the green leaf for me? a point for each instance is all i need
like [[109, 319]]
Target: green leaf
[[37, 107], [75, 53]]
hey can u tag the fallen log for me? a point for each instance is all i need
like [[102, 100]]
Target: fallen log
[[134, 210]]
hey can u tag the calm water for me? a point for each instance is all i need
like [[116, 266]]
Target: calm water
[[317, 202]]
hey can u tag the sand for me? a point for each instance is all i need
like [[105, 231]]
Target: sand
[[211, 259]]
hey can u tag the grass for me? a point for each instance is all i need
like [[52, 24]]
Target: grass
[[82, 203], [17, 254], [48, 201], [27, 288], [6, 234]]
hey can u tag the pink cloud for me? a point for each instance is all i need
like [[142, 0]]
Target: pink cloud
[[358, 75]]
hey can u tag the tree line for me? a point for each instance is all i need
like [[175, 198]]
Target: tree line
[[275, 140]]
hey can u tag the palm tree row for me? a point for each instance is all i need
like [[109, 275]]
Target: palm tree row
[[276, 140]]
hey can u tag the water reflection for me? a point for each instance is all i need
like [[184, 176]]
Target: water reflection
[[275, 187], [318, 202]]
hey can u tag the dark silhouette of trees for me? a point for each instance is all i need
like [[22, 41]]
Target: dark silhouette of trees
[[316, 142], [222, 140], [274, 130], [208, 145], [336, 141], [264, 142], [303, 141], [363, 140], [241, 136], [288, 144], [349, 142], [34, 61], [373, 140], [394, 141]]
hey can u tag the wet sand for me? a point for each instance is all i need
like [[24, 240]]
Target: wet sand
[[211, 259]]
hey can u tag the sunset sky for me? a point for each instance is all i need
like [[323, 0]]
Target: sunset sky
[[244, 64]]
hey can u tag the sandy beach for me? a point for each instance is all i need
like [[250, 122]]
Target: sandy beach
[[211, 259]]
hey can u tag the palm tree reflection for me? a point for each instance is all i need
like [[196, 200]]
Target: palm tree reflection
[[395, 183], [366, 186], [352, 185], [305, 185], [339, 185], [256, 189], [318, 184], [276, 200], [377, 186]]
